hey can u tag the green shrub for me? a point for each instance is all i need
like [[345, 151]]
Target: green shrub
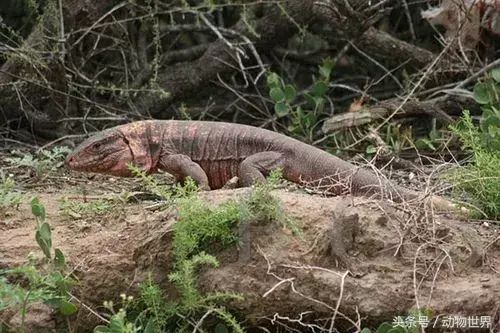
[[47, 161], [78, 210], [49, 284], [480, 178], [301, 111]]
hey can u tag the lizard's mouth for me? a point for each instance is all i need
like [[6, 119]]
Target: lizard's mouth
[[74, 162], [80, 162], [77, 162], [69, 161]]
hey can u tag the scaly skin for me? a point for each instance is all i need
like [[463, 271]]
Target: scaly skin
[[214, 152]]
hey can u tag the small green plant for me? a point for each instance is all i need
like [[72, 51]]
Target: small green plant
[[184, 277], [434, 139], [78, 210], [399, 139], [264, 207], [9, 197], [487, 94], [47, 161], [152, 312], [49, 285], [118, 322], [480, 178], [153, 308], [151, 184], [169, 194], [303, 116], [199, 226]]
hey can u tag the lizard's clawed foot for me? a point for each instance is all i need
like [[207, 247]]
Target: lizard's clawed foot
[[231, 184], [204, 188]]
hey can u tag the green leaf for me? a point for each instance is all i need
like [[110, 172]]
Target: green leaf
[[482, 93], [101, 329], [273, 80], [384, 328], [366, 330], [495, 74], [281, 109], [59, 258], [277, 94], [496, 111], [370, 149], [292, 128], [299, 111], [326, 69], [319, 88], [67, 308], [318, 102], [45, 232], [290, 93], [397, 329], [425, 144], [43, 244], [309, 119], [151, 327], [491, 117], [310, 99], [63, 284], [116, 323], [37, 208], [221, 328]]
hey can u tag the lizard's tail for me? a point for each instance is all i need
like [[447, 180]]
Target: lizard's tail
[[337, 176], [368, 183]]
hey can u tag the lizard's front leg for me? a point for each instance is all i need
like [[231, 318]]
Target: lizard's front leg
[[181, 166]]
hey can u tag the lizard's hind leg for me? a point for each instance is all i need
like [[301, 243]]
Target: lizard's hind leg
[[255, 167]]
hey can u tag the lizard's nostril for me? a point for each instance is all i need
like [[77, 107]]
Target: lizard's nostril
[[69, 159]]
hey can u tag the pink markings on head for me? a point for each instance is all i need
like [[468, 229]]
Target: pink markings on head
[[140, 155], [120, 169]]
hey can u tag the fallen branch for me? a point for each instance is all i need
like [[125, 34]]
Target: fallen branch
[[442, 108]]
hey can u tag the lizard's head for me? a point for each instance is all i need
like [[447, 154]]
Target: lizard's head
[[110, 152]]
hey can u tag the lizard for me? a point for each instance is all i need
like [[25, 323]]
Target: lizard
[[212, 153]]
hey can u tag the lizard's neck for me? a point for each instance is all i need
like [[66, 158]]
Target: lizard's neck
[[153, 141]]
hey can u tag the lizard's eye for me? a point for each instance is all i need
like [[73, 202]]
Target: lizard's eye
[[96, 146]]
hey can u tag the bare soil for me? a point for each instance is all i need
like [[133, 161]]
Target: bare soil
[[356, 259]]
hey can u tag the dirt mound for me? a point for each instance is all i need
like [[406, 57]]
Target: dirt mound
[[355, 258]]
